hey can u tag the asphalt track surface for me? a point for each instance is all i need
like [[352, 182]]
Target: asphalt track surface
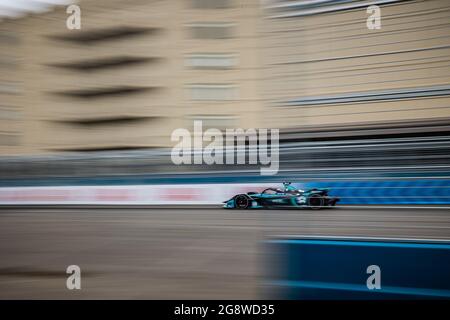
[[178, 253]]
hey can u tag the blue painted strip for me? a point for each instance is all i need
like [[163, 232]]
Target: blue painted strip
[[364, 244], [333, 268], [362, 288]]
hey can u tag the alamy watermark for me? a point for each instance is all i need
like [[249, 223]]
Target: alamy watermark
[[73, 22], [229, 148], [374, 280], [73, 281], [373, 22]]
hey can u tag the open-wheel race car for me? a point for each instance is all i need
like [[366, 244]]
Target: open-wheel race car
[[289, 196]]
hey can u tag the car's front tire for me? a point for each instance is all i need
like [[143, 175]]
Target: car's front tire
[[241, 201]]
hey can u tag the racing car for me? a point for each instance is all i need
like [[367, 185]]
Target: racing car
[[289, 196]]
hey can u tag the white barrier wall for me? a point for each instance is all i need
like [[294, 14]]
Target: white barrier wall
[[127, 195]]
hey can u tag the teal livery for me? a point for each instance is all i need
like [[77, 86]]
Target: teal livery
[[289, 196]]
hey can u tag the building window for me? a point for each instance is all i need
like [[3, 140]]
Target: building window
[[220, 122], [8, 37], [8, 62], [211, 61], [211, 30], [213, 92], [7, 139], [211, 4], [9, 87], [7, 113]]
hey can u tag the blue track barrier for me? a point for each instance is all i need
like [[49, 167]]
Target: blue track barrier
[[336, 268], [381, 192]]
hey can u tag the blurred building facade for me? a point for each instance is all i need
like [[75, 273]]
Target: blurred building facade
[[134, 72], [328, 75], [137, 70], [11, 125]]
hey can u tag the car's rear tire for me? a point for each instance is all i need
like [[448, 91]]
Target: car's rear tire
[[241, 201], [316, 202]]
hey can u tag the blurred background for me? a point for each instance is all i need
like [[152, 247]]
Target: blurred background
[[364, 112], [103, 100]]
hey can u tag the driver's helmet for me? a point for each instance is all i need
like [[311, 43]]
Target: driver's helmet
[[289, 187]]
